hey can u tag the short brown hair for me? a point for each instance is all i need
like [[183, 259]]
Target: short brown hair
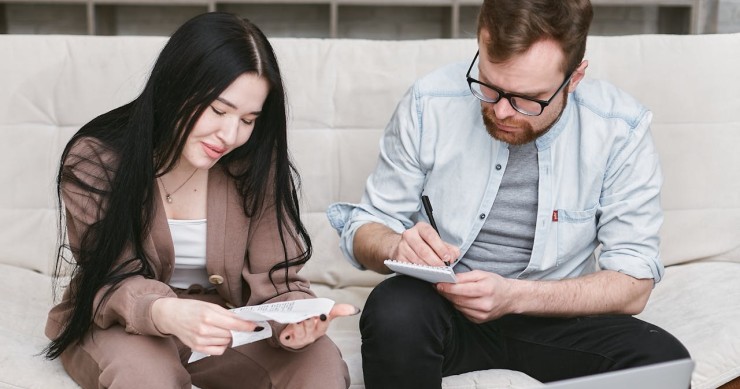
[[515, 25]]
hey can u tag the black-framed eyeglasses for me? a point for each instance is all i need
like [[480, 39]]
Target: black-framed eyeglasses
[[522, 104]]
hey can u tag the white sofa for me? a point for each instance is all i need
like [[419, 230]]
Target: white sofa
[[341, 94]]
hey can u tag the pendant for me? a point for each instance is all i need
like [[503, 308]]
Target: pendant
[[169, 198]]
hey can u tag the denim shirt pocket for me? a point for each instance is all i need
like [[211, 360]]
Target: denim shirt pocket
[[576, 233]]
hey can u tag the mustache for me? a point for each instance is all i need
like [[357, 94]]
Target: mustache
[[490, 119]]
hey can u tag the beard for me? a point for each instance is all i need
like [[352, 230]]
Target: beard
[[525, 134], [526, 130]]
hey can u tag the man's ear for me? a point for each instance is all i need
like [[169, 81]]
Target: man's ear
[[578, 75]]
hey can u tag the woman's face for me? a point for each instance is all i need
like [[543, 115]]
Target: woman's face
[[226, 124]]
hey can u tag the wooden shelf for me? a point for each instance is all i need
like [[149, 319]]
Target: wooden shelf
[[101, 16], [694, 7]]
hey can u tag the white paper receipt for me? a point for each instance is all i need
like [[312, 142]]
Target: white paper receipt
[[285, 312]]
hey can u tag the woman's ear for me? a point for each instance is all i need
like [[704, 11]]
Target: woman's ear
[[578, 75]]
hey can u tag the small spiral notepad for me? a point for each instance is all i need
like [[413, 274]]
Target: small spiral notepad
[[424, 272]]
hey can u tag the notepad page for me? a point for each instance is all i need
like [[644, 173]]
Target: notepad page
[[427, 273]]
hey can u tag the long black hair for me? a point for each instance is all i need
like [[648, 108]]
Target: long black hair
[[146, 136]]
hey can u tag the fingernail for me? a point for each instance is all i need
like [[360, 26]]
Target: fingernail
[[258, 328], [357, 310], [322, 317]]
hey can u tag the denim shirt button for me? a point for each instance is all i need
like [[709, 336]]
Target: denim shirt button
[[498, 166], [482, 216]]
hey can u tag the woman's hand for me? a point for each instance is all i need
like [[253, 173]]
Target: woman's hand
[[202, 326], [299, 335]]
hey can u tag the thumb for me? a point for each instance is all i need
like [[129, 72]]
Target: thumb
[[472, 276], [343, 310]]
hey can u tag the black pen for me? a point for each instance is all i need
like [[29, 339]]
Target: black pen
[[428, 210]]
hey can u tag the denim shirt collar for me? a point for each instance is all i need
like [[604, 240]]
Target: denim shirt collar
[[545, 141]]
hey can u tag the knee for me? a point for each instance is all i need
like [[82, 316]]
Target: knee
[[665, 347], [397, 297], [404, 306], [142, 376], [325, 367], [113, 358], [657, 345], [157, 365], [318, 365]]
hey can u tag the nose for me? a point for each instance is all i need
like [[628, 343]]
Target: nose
[[229, 130], [503, 109]]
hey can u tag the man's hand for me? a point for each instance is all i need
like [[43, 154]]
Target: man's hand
[[421, 244], [483, 296], [374, 243], [299, 335], [480, 296], [202, 326]]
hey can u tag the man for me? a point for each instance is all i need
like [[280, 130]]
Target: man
[[529, 167]]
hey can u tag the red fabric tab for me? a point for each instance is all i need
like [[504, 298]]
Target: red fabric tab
[[555, 215]]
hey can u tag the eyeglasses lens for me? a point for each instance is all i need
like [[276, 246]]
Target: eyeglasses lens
[[489, 95]]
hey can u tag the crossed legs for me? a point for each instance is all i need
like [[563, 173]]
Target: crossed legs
[[113, 358], [412, 337]]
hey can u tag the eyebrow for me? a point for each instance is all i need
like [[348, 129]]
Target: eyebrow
[[533, 95], [232, 105]]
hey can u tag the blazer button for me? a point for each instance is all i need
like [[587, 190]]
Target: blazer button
[[215, 279]]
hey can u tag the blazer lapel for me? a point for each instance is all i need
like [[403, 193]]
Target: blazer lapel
[[159, 245], [226, 235]]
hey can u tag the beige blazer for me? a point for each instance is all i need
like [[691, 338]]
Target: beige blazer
[[240, 251]]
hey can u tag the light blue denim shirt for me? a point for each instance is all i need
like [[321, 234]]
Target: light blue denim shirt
[[599, 178]]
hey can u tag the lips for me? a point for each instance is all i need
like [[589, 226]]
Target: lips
[[213, 151], [506, 128]]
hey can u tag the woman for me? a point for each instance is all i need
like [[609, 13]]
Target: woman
[[182, 204]]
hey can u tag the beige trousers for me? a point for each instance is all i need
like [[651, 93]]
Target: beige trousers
[[113, 358]]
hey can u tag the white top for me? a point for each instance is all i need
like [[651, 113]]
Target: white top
[[189, 239]]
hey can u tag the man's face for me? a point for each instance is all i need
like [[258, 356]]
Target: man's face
[[536, 74]]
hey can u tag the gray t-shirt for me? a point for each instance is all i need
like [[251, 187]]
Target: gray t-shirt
[[504, 243]]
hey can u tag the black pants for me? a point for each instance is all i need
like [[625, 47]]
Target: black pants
[[412, 337]]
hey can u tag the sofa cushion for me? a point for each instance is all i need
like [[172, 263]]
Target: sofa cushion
[[54, 84], [26, 300], [696, 126], [698, 303]]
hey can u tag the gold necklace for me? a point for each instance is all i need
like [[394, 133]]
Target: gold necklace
[[168, 195]]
